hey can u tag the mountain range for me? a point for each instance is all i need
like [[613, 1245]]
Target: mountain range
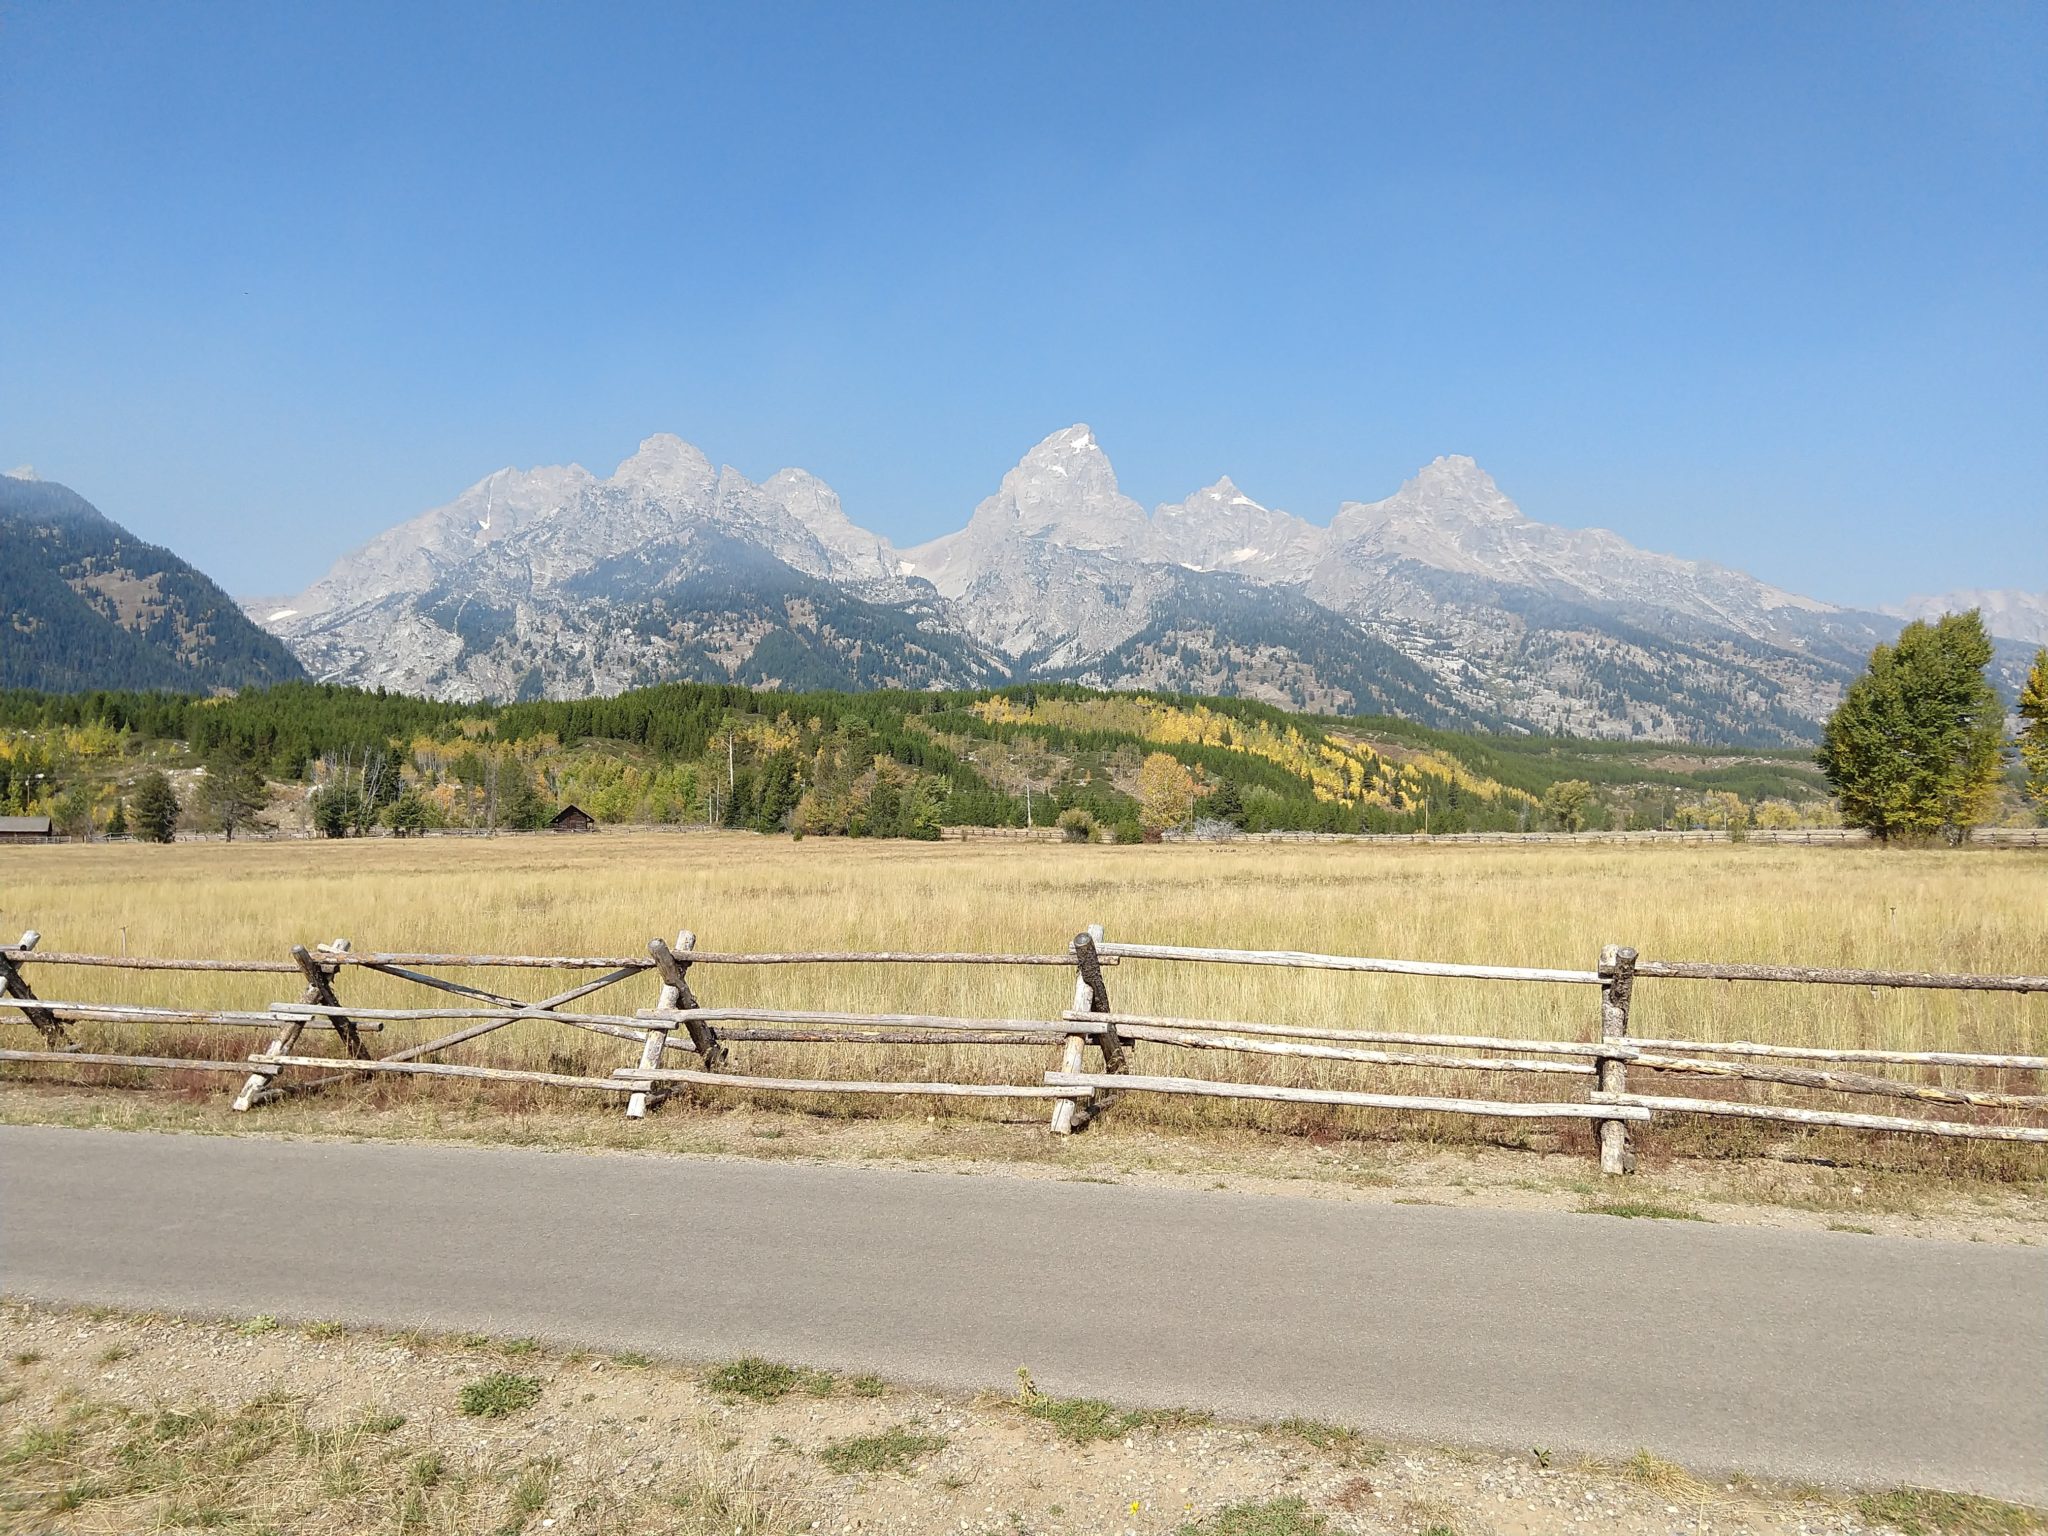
[[85, 604], [1442, 602]]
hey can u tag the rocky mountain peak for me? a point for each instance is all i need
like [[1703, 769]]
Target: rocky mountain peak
[[1065, 490], [1223, 499], [1219, 528], [854, 551], [1067, 444], [2008, 613], [1449, 499], [665, 465], [1455, 484]]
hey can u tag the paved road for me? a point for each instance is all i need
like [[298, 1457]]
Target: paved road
[[1828, 1356]]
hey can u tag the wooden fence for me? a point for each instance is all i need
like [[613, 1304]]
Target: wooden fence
[[1826, 837], [1584, 1080]]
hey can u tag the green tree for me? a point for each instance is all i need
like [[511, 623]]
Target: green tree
[[71, 812], [521, 807], [231, 792], [338, 809], [2033, 737], [117, 822], [1226, 804], [1913, 748], [407, 816], [156, 808], [1565, 804], [921, 814], [1077, 825], [777, 788]]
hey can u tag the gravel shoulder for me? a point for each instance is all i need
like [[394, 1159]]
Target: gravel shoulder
[[114, 1422]]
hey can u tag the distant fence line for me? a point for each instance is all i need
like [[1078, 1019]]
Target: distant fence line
[[1986, 837], [1990, 837], [1595, 1069]]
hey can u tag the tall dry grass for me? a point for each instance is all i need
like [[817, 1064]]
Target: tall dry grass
[[1539, 906]]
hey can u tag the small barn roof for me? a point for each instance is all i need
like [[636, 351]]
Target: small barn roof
[[39, 824]]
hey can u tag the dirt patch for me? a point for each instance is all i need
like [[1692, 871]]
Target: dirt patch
[[115, 1423]]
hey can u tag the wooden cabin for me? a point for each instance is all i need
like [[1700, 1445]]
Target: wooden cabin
[[26, 829], [573, 818]]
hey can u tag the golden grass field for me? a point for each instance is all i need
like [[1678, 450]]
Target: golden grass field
[[609, 894]]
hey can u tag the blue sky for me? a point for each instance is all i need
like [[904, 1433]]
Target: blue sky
[[1764, 285]]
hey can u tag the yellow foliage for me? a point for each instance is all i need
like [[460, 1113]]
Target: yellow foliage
[[1347, 773]]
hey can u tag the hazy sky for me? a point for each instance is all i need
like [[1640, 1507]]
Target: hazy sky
[[1768, 286]]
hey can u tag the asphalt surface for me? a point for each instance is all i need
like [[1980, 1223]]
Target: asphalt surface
[[1826, 1356]]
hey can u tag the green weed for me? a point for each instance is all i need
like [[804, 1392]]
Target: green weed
[[1266, 1517], [499, 1394], [1646, 1210], [766, 1381], [895, 1449]]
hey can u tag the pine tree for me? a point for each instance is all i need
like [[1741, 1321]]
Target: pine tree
[[520, 806], [408, 814], [117, 823], [156, 808], [231, 793], [2033, 737], [1913, 748], [338, 809], [1226, 804]]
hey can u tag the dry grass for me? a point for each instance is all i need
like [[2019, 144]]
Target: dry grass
[[1550, 906], [101, 1464]]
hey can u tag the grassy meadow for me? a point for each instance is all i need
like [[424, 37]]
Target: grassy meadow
[[609, 894]]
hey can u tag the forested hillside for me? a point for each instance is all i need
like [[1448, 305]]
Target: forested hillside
[[84, 603], [890, 763]]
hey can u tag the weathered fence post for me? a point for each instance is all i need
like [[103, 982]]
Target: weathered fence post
[[670, 996], [1115, 1049], [319, 989], [12, 984], [675, 978], [1091, 995], [1617, 984]]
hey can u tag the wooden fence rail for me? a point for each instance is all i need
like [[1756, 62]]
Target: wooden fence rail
[[1595, 1068]]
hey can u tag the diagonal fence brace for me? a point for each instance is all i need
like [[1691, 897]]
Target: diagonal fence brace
[[13, 984], [471, 1031], [675, 978], [319, 989]]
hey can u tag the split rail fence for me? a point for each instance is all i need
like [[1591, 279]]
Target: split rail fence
[[1583, 1080]]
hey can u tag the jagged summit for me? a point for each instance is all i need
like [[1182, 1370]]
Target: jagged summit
[[664, 463], [1062, 493], [1450, 488], [1065, 488], [1219, 528]]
